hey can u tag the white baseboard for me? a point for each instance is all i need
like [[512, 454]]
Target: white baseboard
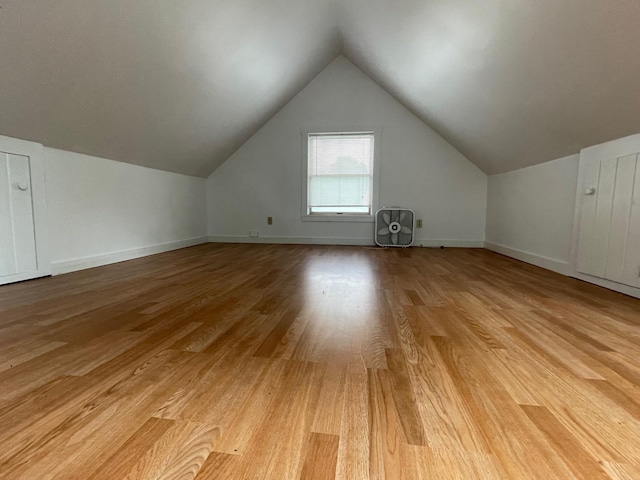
[[448, 243], [552, 264], [601, 282], [73, 265], [291, 240], [339, 241]]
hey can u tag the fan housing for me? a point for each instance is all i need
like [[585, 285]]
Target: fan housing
[[394, 227]]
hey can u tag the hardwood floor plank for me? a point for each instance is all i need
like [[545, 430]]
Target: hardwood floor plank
[[414, 297], [552, 351], [179, 453], [620, 398], [440, 463], [243, 424], [70, 359], [353, 451], [290, 362], [581, 409], [16, 357], [277, 336], [448, 421], [517, 448], [581, 463], [618, 471], [405, 399], [218, 466], [287, 425], [328, 417], [128, 455], [386, 432], [321, 457], [101, 425], [199, 373]]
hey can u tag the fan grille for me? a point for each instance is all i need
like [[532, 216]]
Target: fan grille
[[394, 227]]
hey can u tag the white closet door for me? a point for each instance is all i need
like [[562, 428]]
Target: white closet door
[[24, 252], [17, 228], [609, 241]]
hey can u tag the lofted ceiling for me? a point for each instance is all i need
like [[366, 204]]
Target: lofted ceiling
[[179, 86]]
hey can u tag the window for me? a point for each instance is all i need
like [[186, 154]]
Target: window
[[340, 174]]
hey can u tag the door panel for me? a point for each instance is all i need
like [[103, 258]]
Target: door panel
[[620, 217], [602, 220], [8, 263], [631, 275], [17, 232], [587, 217]]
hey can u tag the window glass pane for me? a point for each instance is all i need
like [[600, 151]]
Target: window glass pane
[[340, 173], [339, 190], [364, 210]]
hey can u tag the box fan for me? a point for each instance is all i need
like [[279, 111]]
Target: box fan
[[394, 227]]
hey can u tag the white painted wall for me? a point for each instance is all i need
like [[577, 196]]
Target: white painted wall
[[419, 170], [102, 211], [530, 213]]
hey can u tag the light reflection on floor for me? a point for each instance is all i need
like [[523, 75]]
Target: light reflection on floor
[[340, 303]]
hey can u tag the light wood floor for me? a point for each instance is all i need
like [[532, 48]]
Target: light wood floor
[[287, 362]]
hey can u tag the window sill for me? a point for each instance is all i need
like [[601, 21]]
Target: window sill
[[338, 218]]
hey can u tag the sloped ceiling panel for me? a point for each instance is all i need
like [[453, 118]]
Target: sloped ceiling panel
[[177, 86], [509, 83], [180, 86]]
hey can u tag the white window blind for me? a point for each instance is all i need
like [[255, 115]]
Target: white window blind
[[340, 173]]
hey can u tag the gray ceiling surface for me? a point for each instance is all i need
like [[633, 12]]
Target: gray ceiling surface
[[179, 86]]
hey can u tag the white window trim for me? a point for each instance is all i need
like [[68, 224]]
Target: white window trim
[[336, 217]]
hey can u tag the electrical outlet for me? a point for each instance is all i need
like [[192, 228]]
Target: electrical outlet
[[254, 233], [269, 220], [419, 223]]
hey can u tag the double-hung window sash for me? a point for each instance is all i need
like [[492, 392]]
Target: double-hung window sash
[[340, 173]]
